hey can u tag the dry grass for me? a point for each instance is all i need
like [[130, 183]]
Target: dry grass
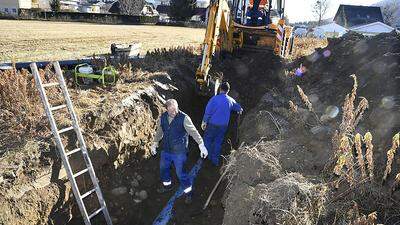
[[357, 218], [307, 46], [21, 111], [39, 40]]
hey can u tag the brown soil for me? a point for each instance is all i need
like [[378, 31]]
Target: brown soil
[[301, 144]]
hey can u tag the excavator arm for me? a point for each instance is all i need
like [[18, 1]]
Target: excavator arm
[[218, 37]]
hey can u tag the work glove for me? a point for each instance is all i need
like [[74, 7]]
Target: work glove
[[153, 148], [203, 151], [203, 125]]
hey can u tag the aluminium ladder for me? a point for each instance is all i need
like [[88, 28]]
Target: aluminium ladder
[[62, 151]]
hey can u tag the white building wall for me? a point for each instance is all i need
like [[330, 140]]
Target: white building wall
[[25, 4]]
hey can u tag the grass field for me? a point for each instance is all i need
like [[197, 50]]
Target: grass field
[[43, 41]]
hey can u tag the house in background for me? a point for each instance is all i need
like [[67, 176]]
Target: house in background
[[199, 14], [367, 20], [352, 15], [163, 11], [91, 7], [70, 5], [11, 7], [331, 30]]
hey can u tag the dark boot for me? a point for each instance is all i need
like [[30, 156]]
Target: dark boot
[[164, 189]]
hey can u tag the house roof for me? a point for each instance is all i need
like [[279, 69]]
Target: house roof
[[114, 8], [352, 15], [163, 9], [366, 26], [332, 27]]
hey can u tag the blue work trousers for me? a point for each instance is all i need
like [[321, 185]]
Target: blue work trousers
[[178, 160], [213, 138]]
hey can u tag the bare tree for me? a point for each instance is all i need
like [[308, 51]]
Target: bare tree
[[182, 10], [320, 8], [389, 12], [131, 7], [55, 5]]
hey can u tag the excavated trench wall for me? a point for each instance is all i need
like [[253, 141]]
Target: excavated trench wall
[[118, 125], [118, 131]]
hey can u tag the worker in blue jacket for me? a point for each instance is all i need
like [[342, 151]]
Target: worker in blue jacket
[[216, 120]]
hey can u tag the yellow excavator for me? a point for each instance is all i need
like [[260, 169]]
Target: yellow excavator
[[245, 25]]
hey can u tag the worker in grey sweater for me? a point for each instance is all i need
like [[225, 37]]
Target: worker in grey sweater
[[174, 128]]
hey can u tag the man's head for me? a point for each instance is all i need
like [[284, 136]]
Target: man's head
[[224, 87], [172, 107]]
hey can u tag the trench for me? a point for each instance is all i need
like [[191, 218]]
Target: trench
[[128, 176], [125, 211]]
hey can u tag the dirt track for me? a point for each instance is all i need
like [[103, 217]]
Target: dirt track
[[45, 41]]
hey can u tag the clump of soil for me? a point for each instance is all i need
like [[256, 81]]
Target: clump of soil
[[291, 199], [260, 192]]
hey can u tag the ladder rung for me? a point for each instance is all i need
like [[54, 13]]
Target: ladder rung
[[73, 151], [81, 172], [65, 130], [96, 212], [51, 84], [88, 193], [57, 107]]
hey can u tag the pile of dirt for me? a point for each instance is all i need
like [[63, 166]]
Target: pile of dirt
[[260, 192], [301, 139], [291, 199], [375, 62]]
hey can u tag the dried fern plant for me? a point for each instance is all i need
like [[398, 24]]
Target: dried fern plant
[[345, 159], [390, 155], [360, 158], [305, 99], [357, 218], [362, 106], [352, 117], [307, 102], [369, 154], [293, 107]]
